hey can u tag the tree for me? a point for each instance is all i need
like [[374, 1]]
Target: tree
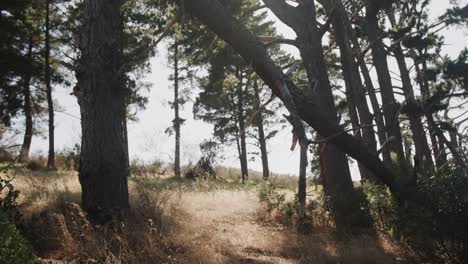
[[215, 17], [50, 102], [114, 41], [13, 57], [102, 95], [183, 75], [231, 96]]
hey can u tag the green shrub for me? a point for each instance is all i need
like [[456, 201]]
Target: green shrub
[[433, 222], [8, 205], [269, 194], [13, 247]]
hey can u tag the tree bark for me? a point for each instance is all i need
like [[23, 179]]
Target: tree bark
[[422, 151], [50, 102], [261, 133], [214, 16], [101, 93], [28, 131], [302, 185], [360, 115], [176, 110], [439, 156], [389, 104], [243, 143]]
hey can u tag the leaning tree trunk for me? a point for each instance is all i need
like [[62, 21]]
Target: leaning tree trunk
[[261, 133], [214, 16], [50, 102], [177, 119], [101, 93], [28, 132]]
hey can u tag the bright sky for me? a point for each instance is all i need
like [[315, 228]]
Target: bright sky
[[148, 141]]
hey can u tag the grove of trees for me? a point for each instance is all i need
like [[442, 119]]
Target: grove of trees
[[371, 83]]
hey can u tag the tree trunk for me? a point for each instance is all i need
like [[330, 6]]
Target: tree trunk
[[101, 93], [334, 168], [261, 133], [356, 50], [215, 17], [422, 151], [379, 121], [302, 185], [176, 110], [50, 103], [439, 157], [28, 132], [389, 104], [362, 118], [243, 144]]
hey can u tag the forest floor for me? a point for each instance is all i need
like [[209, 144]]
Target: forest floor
[[188, 222]]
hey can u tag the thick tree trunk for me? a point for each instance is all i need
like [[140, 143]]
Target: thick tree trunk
[[28, 131], [215, 17], [422, 151], [334, 169], [243, 143], [101, 93], [261, 133], [176, 110], [50, 102], [302, 185]]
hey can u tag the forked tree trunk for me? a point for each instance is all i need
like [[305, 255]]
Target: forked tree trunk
[[28, 131], [261, 133], [101, 93], [334, 169], [50, 102]]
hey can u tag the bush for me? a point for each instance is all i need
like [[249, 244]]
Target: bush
[[270, 196], [433, 222], [69, 158], [13, 247], [35, 164], [147, 169]]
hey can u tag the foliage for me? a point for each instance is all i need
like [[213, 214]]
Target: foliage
[[69, 158], [269, 194], [433, 222], [13, 247]]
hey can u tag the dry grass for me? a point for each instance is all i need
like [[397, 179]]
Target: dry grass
[[179, 221]]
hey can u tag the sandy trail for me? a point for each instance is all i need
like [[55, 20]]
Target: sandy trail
[[223, 227]]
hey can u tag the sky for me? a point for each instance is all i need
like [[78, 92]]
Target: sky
[[147, 140]]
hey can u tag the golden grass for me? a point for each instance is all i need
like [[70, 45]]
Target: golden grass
[[179, 221]]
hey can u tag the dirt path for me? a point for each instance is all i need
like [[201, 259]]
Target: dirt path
[[223, 227]]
